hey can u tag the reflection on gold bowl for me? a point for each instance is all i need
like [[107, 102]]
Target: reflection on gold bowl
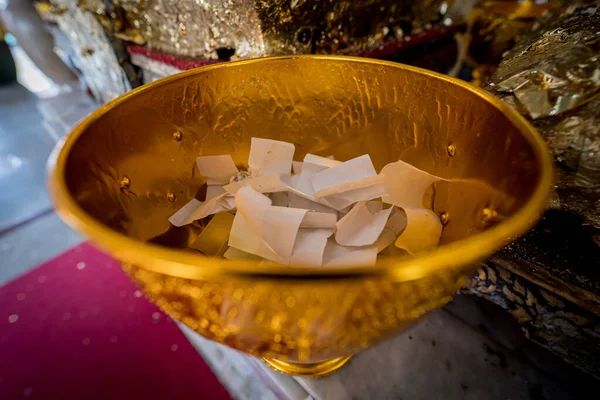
[[126, 168]]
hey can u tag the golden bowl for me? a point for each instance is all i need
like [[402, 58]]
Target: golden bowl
[[131, 164]]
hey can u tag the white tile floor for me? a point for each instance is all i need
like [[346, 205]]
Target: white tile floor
[[30, 232], [441, 357], [24, 149], [33, 243]]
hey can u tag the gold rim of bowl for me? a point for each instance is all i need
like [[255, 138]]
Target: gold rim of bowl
[[196, 266]]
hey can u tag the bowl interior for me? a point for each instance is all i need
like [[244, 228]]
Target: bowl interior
[[126, 164]]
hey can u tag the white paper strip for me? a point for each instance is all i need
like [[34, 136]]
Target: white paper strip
[[297, 201], [342, 188], [318, 220], [374, 206], [397, 221], [246, 232], [253, 206], [279, 230], [340, 256], [262, 229], [422, 232], [262, 184], [386, 238], [304, 183], [280, 199], [343, 212], [294, 180], [301, 192], [343, 200], [405, 184], [310, 247], [332, 204], [270, 157], [213, 191], [349, 171], [318, 160], [296, 167], [195, 209], [360, 227], [393, 227], [230, 201], [217, 170], [243, 237]]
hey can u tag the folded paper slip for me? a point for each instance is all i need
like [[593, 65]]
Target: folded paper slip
[[394, 226], [195, 209], [361, 227], [325, 161], [341, 174], [270, 157], [345, 199], [405, 184], [262, 229], [217, 170], [262, 184], [310, 247]]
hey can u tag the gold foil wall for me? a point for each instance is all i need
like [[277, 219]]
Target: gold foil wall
[[91, 49], [347, 26], [197, 28]]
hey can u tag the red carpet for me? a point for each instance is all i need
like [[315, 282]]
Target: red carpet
[[77, 328]]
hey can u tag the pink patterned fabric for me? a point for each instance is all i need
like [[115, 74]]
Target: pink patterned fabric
[[77, 328]]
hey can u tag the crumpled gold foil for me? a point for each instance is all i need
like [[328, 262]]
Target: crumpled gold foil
[[350, 27], [562, 82], [553, 77], [92, 52], [252, 28], [559, 70], [494, 27], [197, 28]]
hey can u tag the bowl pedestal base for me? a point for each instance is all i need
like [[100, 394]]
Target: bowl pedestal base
[[310, 370]]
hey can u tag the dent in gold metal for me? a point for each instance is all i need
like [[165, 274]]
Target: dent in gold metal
[[325, 105]]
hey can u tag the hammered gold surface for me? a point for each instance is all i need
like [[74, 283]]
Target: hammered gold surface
[[298, 320], [498, 173]]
